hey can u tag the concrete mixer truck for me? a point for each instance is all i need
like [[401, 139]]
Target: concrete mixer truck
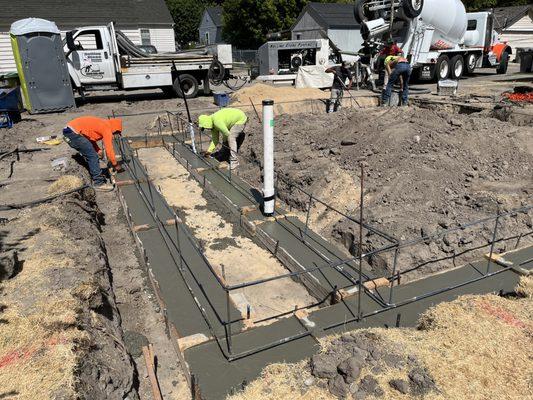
[[439, 37]]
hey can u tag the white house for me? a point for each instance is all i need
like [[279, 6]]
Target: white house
[[515, 25], [329, 20], [143, 21]]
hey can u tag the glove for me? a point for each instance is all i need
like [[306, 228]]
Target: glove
[[206, 154], [118, 168]]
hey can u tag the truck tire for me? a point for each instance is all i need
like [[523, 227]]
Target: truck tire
[[457, 65], [470, 63], [189, 86], [359, 12], [504, 64], [442, 70], [169, 91], [412, 8]]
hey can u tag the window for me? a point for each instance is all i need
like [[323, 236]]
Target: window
[[207, 38], [89, 40], [472, 25], [145, 36], [298, 36]]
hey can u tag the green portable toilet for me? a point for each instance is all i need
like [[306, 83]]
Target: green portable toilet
[[41, 66]]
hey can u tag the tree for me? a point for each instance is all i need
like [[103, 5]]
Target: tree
[[476, 5], [247, 22], [187, 15]]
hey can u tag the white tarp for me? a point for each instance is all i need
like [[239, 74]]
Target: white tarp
[[313, 76], [29, 25]]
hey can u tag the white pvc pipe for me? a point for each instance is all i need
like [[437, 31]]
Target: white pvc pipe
[[268, 158]]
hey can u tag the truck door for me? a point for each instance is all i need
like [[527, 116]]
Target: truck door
[[92, 59]]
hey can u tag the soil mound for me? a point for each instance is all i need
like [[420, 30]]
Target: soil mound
[[427, 170], [259, 92]]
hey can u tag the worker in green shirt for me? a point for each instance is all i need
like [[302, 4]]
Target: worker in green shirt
[[229, 122]]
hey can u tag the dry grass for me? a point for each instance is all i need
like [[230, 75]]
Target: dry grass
[[477, 347], [38, 351], [64, 184], [284, 381], [525, 287], [40, 342]]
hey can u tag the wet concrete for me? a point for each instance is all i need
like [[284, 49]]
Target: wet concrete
[[218, 376]]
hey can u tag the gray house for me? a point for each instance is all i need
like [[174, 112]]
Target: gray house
[[142, 21], [329, 20], [210, 29]]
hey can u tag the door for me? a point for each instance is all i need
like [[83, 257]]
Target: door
[[92, 59]]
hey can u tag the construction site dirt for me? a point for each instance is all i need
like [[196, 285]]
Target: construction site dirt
[[426, 169], [77, 303]]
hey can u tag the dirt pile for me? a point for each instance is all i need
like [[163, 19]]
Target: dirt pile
[[473, 348], [60, 334], [259, 92], [427, 170]]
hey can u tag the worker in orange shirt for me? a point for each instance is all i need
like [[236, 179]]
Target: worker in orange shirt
[[83, 134]]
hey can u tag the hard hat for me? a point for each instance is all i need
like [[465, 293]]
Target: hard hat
[[205, 122]]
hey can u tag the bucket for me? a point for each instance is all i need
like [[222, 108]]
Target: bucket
[[221, 99], [526, 61]]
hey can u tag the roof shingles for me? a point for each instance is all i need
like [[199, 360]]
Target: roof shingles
[[69, 14]]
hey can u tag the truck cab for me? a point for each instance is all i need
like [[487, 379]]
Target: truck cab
[[91, 57]]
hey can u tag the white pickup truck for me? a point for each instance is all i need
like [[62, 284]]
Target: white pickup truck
[[102, 58]]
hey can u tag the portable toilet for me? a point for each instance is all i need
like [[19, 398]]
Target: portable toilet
[[41, 66]]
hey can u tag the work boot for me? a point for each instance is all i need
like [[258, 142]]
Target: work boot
[[104, 187]]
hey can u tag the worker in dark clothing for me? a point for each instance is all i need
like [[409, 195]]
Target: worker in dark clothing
[[390, 49], [83, 134], [341, 74], [397, 67]]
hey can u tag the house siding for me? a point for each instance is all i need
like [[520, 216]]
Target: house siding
[[208, 26], [307, 28], [162, 39], [520, 34], [346, 39]]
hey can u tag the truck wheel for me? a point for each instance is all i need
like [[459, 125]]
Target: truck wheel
[[504, 63], [359, 11], [442, 71], [413, 8], [470, 62], [169, 91], [189, 86], [457, 67], [207, 87]]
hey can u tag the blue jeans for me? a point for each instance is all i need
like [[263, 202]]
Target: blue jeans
[[404, 70], [85, 148]]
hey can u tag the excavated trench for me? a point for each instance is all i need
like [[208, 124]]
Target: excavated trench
[[193, 295]]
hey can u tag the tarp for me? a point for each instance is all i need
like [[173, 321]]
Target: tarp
[[313, 76], [29, 25]]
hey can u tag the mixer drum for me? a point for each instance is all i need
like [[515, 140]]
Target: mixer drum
[[449, 19]]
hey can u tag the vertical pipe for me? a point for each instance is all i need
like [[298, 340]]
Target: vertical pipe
[[269, 196], [360, 245], [493, 240], [393, 273], [228, 323], [308, 214]]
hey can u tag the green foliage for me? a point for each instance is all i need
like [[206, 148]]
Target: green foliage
[[475, 5], [247, 22], [187, 15]]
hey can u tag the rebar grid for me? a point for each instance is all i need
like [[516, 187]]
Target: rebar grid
[[395, 246]]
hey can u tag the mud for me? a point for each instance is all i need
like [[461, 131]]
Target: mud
[[427, 169]]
